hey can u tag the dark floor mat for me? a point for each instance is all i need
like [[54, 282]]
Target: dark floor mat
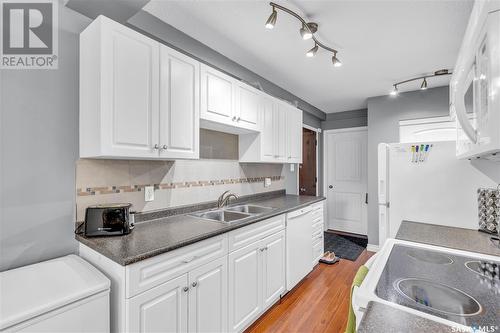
[[345, 247]]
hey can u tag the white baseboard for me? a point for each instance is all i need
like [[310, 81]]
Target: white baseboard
[[372, 248]]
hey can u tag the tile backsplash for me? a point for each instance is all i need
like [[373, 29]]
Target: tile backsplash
[[176, 183]]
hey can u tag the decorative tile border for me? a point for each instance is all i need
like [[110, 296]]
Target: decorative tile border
[[99, 190]]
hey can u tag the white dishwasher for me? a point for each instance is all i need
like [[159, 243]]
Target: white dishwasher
[[298, 246]]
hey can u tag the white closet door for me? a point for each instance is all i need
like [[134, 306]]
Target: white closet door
[[346, 180]]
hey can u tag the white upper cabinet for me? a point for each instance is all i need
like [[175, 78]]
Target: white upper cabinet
[[228, 105], [119, 86], [217, 96], [124, 113], [248, 106], [280, 140], [294, 135], [179, 105]]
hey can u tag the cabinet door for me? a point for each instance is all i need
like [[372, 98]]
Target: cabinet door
[[217, 94], [179, 105], [294, 135], [208, 297], [248, 107], [280, 132], [273, 268], [130, 87], [161, 309], [245, 285], [268, 130]]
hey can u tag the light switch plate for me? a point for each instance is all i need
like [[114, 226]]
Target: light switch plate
[[267, 182], [149, 193]]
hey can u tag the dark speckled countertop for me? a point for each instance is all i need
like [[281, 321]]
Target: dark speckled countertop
[[151, 238], [455, 238]]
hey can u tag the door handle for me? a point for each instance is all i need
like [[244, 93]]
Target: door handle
[[366, 198]]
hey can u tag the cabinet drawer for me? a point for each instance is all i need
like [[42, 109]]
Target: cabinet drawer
[[317, 226], [317, 236], [151, 272], [254, 232], [317, 252], [317, 206]]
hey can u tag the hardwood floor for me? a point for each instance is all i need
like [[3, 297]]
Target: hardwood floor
[[319, 304]]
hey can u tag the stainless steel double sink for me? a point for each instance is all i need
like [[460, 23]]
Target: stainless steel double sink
[[232, 214]]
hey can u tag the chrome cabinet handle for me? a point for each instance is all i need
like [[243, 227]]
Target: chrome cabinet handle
[[189, 260], [238, 119], [156, 147], [262, 249], [164, 147], [194, 284], [234, 118], [185, 289]]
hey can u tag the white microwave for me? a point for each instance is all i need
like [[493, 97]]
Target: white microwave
[[475, 85]]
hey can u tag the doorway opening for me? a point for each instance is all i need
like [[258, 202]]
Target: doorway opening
[[308, 170]]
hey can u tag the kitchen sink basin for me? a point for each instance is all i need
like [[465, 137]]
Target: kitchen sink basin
[[222, 215], [438, 297], [250, 209]]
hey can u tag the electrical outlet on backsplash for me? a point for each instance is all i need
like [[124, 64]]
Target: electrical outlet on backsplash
[[176, 183]]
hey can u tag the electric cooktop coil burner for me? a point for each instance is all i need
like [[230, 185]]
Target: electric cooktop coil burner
[[430, 257], [438, 297]]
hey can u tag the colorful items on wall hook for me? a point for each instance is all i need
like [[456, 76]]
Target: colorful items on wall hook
[[419, 153]]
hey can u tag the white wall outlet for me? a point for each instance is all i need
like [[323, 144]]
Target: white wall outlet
[[149, 193], [267, 182]]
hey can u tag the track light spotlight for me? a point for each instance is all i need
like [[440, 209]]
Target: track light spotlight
[[305, 33], [271, 21], [395, 91], [336, 62], [423, 86], [312, 52]]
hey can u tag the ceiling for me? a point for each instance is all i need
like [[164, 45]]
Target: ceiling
[[379, 42]]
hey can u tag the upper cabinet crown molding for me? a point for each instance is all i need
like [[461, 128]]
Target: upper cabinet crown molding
[[131, 93]]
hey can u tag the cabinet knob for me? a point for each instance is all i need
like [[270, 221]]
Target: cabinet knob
[[156, 147], [194, 284], [238, 119], [185, 289], [234, 118], [330, 186], [164, 147], [262, 249]]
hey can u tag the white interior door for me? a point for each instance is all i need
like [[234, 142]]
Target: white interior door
[[346, 180]]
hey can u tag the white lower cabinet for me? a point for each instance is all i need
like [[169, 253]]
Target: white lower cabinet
[[222, 284], [161, 309], [245, 284], [208, 297], [256, 279]]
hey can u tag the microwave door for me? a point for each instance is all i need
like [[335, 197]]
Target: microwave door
[[464, 105]]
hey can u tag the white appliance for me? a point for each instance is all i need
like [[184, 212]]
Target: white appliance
[[66, 294], [436, 189], [475, 85], [298, 245]]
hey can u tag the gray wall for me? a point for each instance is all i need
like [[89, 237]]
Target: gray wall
[[355, 118], [384, 114], [38, 150]]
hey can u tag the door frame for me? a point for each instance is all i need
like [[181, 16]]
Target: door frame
[[325, 161], [318, 132]]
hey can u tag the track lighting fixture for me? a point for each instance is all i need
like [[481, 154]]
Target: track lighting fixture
[[423, 86], [395, 91], [271, 21], [336, 62], [307, 31], [312, 52], [424, 78]]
